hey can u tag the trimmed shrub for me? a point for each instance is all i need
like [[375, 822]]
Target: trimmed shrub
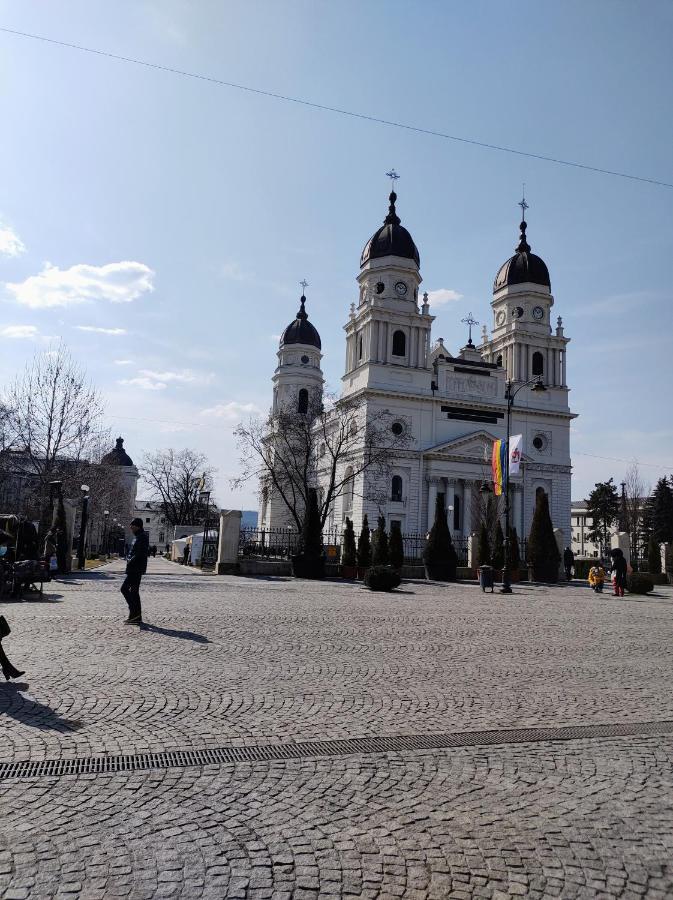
[[498, 554], [396, 546], [439, 556], [364, 553], [348, 555], [483, 548], [637, 583], [382, 578], [543, 552], [653, 557], [380, 553]]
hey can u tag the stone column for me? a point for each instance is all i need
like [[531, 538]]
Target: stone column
[[467, 508], [433, 484], [450, 500], [227, 550]]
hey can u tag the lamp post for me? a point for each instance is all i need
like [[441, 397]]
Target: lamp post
[[106, 541], [204, 497], [538, 387], [81, 543]]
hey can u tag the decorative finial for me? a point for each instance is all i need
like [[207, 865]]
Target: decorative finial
[[522, 203], [302, 314], [392, 218], [484, 334], [523, 245], [469, 320], [304, 285]]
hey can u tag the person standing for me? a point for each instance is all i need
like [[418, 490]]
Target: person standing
[[136, 566], [619, 571], [568, 562], [8, 670]]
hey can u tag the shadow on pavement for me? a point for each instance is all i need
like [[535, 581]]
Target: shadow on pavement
[[172, 632], [23, 708]]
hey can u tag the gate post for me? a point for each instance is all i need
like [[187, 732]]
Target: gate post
[[230, 533]]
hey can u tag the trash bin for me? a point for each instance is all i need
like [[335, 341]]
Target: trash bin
[[486, 577]]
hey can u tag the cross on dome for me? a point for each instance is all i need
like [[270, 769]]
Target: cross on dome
[[469, 320]]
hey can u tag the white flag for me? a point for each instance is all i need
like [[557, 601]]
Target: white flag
[[515, 453]]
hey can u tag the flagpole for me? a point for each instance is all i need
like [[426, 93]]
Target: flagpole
[[509, 396]]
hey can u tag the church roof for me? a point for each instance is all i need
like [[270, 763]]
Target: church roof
[[301, 331], [391, 239], [524, 267], [118, 456]]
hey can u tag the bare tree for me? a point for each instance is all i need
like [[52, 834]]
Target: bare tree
[[635, 496], [53, 421], [175, 479], [328, 446]]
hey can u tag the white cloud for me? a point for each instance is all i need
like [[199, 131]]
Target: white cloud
[[100, 330], [233, 271], [19, 331], [275, 337], [123, 362], [10, 242], [231, 412], [147, 384], [119, 282], [443, 296]]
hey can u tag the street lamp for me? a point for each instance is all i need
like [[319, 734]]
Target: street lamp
[[81, 543], [106, 541], [538, 387], [204, 497]]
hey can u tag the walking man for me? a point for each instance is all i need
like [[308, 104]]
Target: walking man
[[568, 562], [136, 566]]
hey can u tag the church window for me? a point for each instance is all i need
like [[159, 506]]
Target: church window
[[396, 489], [397, 428], [540, 442], [302, 406], [360, 347], [305, 360], [498, 361], [380, 287], [538, 363], [399, 343]]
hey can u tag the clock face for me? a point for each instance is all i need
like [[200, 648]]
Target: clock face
[[517, 312], [500, 318], [538, 313], [401, 288]]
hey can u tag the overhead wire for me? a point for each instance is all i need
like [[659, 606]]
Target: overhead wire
[[390, 123]]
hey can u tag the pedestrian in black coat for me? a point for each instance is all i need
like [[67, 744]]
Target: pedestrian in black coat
[[619, 571], [136, 566], [568, 562]]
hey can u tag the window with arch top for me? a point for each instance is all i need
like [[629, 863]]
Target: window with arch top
[[302, 404], [538, 363], [399, 344], [396, 489]]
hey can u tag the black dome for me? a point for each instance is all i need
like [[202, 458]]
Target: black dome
[[301, 331], [118, 456], [392, 239], [523, 267]]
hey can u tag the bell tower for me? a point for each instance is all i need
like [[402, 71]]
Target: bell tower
[[298, 379], [387, 335]]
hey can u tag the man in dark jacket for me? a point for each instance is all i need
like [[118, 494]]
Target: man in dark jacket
[[568, 562], [136, 566]]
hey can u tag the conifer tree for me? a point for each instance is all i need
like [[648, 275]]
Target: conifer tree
[[348, 557], [483, 547], [661, 511], [498, 554], [603, 509], [653, 557], [543, 552], [514, 551], [380, 554], [440, 556], [364, 546], [396, 547]]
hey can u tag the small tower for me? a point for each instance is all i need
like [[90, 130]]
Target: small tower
[[387, 337], [298, 379]]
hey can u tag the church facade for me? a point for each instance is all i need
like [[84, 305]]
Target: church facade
[[450, 408]]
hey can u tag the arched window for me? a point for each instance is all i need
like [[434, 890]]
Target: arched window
[[399, 343], [302, 405], [538, 363], [360, 348], [349, 485], [456, 513], [498, 361], [396, 489]]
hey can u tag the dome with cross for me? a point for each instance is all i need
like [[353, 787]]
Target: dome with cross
[[522, 268], [301, 331], [392, 238]]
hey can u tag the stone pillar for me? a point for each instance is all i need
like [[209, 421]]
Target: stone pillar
[[467, 508], [432, 500], [472, 545], [451, 500], [227, 550], [621, 540]]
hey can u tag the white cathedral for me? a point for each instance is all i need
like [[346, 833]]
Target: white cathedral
[[451, 407]]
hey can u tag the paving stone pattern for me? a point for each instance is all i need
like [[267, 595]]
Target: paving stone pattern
[[239, 662]]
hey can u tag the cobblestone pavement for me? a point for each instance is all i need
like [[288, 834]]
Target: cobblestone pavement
[[242, 662]]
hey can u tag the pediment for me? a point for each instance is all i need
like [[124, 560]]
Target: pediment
[[476, 446]]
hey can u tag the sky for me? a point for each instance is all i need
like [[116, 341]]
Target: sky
[[160, 225]]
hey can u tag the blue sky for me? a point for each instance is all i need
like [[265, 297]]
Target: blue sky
[[179, 216]]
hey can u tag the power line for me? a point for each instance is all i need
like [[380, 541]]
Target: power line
[[668, 466], [335, 109]]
